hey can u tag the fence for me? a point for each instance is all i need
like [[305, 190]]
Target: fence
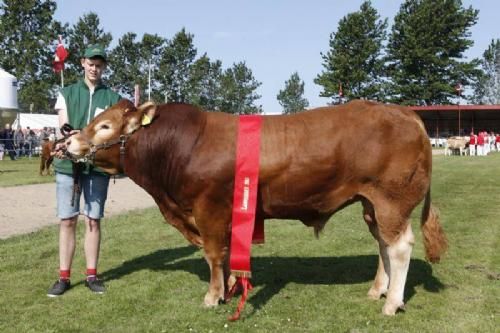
[[26, 148]]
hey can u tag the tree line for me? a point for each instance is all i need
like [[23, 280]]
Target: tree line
[[419, 61]]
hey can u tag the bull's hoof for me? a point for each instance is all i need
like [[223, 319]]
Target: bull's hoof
[[375, 293], [390, 308], [211, 301]]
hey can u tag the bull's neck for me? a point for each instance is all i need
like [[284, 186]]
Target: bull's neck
[[156, 156]]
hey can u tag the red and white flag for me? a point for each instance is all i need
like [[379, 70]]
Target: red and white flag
[[60, 57]]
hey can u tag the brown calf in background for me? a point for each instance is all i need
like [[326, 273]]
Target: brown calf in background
[[45, 158]]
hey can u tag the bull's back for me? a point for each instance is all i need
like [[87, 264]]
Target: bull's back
[[307, 156], [340, 137]]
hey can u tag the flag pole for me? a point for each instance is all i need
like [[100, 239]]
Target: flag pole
[[62, 70], [149, 80]]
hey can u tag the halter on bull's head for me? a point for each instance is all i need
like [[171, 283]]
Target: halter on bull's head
[[102, 142]]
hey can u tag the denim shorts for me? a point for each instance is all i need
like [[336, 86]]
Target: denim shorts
[[94, 187]]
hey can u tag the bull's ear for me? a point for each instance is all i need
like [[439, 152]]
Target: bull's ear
[[148, 111], [143, 116]]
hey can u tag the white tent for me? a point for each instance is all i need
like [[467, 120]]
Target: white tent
[[36, 121], [8, 91]]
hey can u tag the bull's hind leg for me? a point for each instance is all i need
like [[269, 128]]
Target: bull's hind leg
[[381, 281], [398, 253], [396, 241]]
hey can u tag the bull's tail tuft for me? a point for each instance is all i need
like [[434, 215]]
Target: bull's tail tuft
[[435, 241]]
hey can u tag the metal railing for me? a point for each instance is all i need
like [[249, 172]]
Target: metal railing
[[18, 149]]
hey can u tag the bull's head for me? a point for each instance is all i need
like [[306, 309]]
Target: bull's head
[[103, 140]]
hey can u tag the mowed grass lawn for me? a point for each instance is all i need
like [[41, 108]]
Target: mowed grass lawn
[[156, 282], [22, 171]]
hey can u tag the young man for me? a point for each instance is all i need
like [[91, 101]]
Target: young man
[[76, 105]]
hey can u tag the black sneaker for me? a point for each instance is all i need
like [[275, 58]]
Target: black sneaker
[[59, 288], [95, 285]]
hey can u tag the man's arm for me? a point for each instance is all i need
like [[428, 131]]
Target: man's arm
[[62, 112]]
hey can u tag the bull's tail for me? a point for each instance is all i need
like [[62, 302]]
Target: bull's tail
[[435, 241]]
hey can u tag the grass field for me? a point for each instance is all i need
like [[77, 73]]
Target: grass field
[[23, 171], [156, 282]]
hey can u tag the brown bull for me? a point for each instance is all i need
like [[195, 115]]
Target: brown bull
[[46, 158], [312, 164]]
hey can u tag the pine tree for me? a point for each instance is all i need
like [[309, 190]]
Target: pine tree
[[354, 59], [487, 89], [125, 66], [238, 88], [176, 60], [87, 30], [152, 47], [291, 98], [205, 83], [27, 43], [130, 62], [425, 47]]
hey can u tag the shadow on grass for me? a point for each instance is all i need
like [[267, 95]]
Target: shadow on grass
[[7, 171], [274, 273]]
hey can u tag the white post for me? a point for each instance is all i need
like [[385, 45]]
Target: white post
[[137, 95], [149, 80], [62, 78]]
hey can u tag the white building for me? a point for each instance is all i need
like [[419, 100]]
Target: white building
[[8, 98]]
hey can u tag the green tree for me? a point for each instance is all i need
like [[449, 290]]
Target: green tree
[[152, 47], [205, 83], [130, 64], [87, 30], [487, 88], [175, 63], [291, 98], [27, 43], [425, 47], [354, 59], [238, 90]]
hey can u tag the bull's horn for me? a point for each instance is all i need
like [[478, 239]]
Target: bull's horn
[[147, 105]]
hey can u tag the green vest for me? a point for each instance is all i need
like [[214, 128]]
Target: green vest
[[81, 105]]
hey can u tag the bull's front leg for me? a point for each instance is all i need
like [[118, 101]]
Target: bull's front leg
[[215, 253]]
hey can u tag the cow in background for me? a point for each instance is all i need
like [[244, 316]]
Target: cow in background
[[456, 144], [45, 157]]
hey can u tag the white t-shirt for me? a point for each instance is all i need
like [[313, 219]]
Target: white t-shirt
[[62, 112]]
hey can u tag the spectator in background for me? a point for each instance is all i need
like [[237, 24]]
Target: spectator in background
[[19, 141], [493, 145], [480, 144], [52, 134], [44, 135], [486, 143], [497, 140], [2, 147], [472, 144], [29, 141], [7, 137]]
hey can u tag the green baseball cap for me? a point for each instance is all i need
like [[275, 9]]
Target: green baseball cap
[[95, 50]]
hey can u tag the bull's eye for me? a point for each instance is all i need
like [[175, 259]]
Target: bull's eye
[[105, 126]]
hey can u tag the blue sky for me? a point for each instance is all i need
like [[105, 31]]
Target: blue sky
[[275, 37]]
